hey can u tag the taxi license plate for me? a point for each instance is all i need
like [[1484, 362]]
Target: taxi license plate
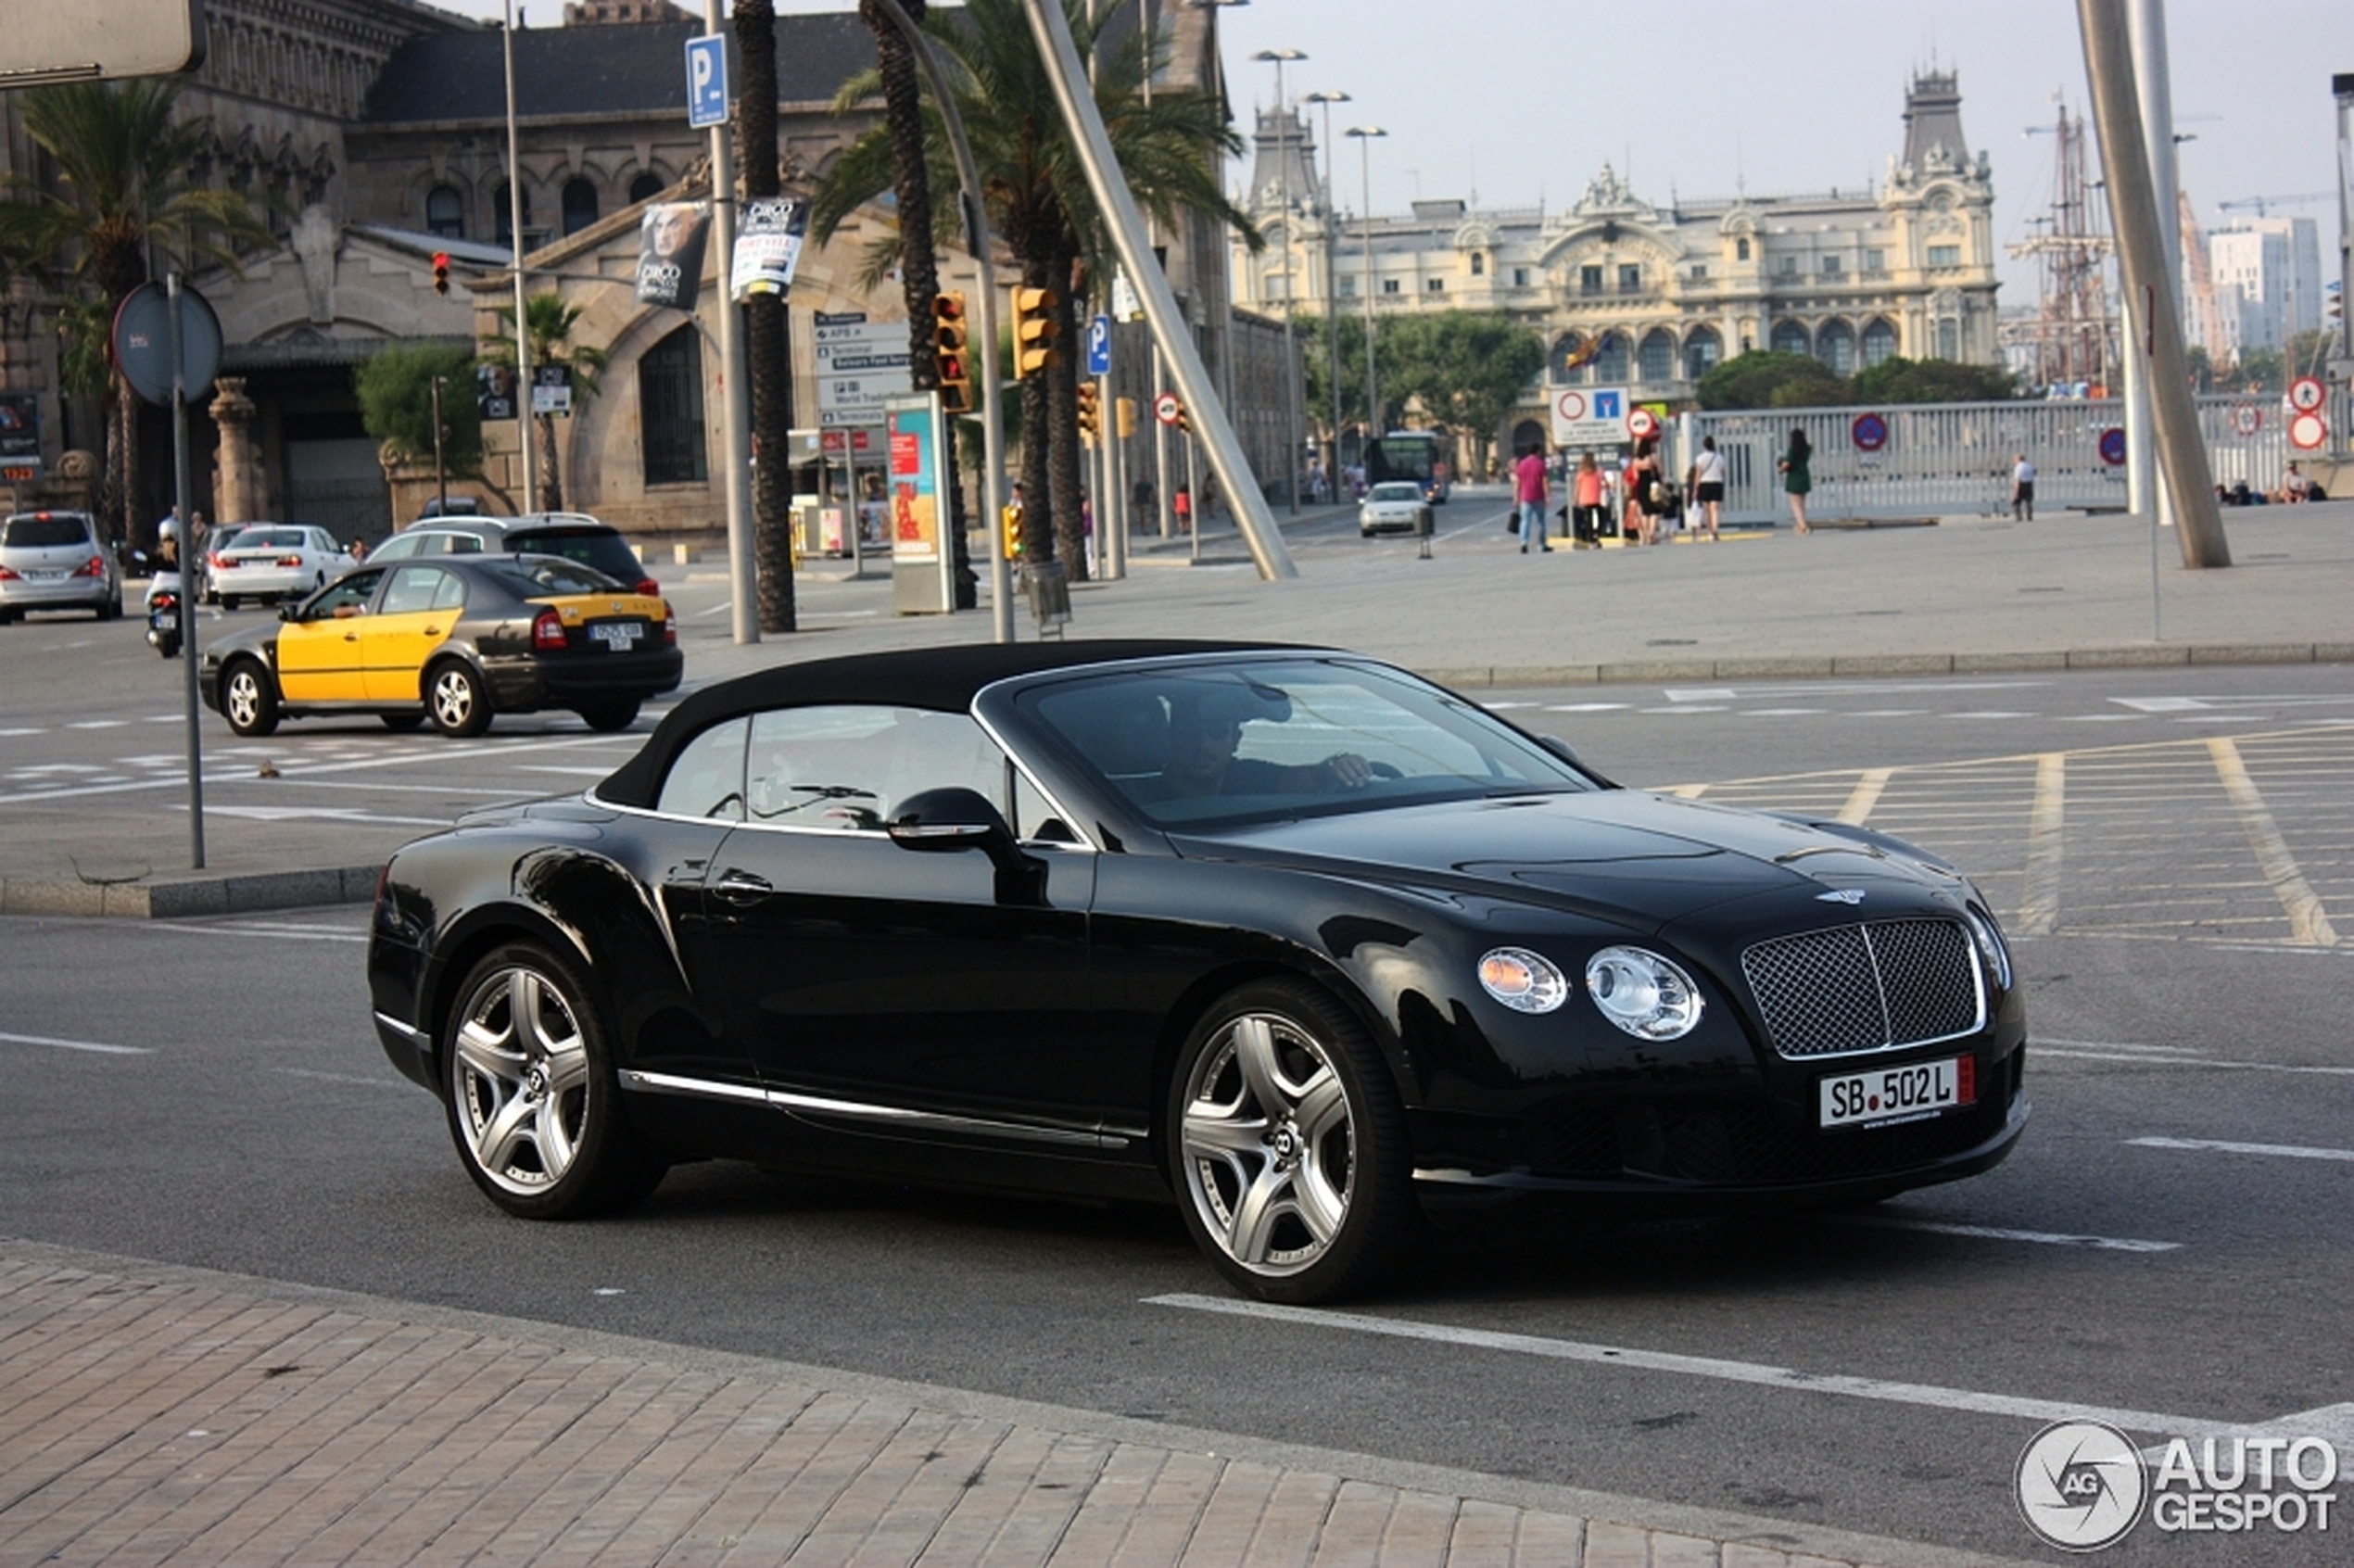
[[1885, 1095], [619, 636]]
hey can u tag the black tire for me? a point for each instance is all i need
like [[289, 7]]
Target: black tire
[[402, 723], [230, 600], [1293, 1175], [111, 610], [606, 717], [249, 698], [534, 1108], [167, 646], [456, 700]]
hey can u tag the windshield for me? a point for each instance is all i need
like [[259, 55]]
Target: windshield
[[1396, 492], [1230, 744], [550, 577]]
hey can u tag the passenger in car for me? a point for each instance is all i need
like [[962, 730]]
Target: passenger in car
[[1203, 735]]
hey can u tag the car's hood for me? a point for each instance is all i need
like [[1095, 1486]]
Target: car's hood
[[259, 640], [1625, 856]]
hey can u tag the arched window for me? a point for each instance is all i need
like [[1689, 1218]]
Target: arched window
[[1658, 356], [446, 213], [670, 409], [1611, 364], [1565, 349], [1479, 264], [503, 219], [1740, 251], [580, 205], [645, 187], [1879, 342], [1835, 346], [1788, 338], [1702, 351]]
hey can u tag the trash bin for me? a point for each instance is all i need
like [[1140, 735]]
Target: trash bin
[[1049, 589]]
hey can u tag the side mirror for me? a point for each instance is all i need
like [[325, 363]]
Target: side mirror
[[958, 819], [290, 611], [1561, 749]]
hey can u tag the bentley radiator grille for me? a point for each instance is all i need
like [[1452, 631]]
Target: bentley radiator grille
[[1871, 987]]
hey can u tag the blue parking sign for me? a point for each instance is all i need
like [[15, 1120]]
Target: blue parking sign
[[707, 80], [1099, 346]]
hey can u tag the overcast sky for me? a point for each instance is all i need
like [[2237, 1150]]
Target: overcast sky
[[1523, 101]]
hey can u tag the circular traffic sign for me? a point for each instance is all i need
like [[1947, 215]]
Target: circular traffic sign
[[2307, 393], [2113, 446], [1641, 424], [1869, 432], [2307, 431], [142, 341], [2247, 419], [1166, 408], [1571, 406]]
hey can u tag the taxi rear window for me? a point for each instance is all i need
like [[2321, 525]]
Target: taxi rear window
[[550, 577]]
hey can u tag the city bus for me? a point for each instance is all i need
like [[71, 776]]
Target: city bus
[[1427, 457]]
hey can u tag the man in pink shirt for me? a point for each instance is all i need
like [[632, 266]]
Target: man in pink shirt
[[1528, 489]]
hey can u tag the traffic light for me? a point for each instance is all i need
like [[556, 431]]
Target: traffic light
[[1034, 330], [948, 348], [1091, 412], [441, 271], [1123, 417], [1184, 420]]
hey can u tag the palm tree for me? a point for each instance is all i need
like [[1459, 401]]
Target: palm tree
[[127, 185], [548, 324], [1168, 150], [765, 343]]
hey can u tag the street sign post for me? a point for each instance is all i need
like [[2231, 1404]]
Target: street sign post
[[707, 80], [1595, 417]]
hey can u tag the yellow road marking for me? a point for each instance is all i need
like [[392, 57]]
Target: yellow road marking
[[2308, 926], [2039, 898], [1865, 795]]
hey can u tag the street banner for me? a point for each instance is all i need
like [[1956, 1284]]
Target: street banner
[[495, 390], [768, 246], [670, 246], [552, 390]]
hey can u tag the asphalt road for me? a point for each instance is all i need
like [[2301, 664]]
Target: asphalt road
[[2170, 1237]]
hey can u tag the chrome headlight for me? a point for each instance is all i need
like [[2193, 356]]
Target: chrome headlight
[[1643, 994], [1990, 949], [1524, 981]]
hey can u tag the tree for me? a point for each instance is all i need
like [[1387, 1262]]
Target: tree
[[395, 389], [1317, 361], [126, 186], [1763, 379], [1899, 380], [767, 344], [548, 324], [1468, 368]]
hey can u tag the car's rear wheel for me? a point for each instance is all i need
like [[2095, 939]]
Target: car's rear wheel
[[230, 600], [1288, 1146], [111, 610], [534, 1104], [248, 698], [402, 723], [609, 717], [456, 700]]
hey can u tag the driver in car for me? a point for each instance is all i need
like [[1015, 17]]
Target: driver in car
[[1203, 734]]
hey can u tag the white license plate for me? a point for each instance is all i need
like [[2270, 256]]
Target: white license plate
[[619, 636], [45, 574], [1885, 1095]]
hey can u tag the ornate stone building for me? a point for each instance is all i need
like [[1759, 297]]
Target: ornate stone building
[[1628, 292]]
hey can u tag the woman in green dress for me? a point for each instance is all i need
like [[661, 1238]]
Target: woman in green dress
[[1796, 477]]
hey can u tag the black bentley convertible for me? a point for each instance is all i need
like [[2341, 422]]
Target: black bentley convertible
[[1322, 951]]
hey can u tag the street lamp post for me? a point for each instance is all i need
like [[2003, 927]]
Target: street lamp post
[[1365, 134], [1281, 57], [1332, 291], [515, 227]]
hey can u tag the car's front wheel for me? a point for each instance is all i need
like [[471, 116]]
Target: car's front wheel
[[533, 1104], [456, 700], [248, 698], [1288, 1146]]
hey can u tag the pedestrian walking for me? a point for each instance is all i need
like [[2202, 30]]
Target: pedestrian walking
[[2022, 490], [1798, 477], [1705, 481], [1529, 491], [1183, 504], [1585, 503], [1645, 491]]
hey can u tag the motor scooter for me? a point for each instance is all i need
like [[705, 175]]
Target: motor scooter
[[163, 614]]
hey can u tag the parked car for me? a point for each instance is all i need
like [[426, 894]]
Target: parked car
[[220, 537], [1316, 950], [1395, 506], [54, 561], [573, 535], [275, 561], [455, 640]]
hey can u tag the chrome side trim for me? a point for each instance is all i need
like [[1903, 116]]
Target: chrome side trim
[[856, 1110], [409, 1033]]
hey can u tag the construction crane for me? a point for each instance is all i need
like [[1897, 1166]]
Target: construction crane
[[2261, 203]]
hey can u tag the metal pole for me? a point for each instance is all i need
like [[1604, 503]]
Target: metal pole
[[440, 470], [2342, 85], [735, 385], [188, 660], [1164, 495], [2133, 210], [1365, 134], [1103, 180], [1291, 356], [515, 227], [977, 240], [1331, 289], [2152, 79]]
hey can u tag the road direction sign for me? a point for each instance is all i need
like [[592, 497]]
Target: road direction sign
[[1099, 346], [1166, 408], [2307, 431], [2307, 393], [1869, 432], [1641, 424], [707, 80]]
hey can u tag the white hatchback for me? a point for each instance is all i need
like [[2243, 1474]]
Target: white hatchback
[[274, 561], [1395, 506]]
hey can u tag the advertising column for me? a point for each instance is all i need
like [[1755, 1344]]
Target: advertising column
[[922, 562]]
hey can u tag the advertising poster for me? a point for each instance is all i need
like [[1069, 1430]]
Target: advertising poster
[[495, 390], [552, 390], [19, 437], [915, 485], [768, 246], [670, 246]]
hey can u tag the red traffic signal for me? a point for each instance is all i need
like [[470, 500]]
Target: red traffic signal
[[441, 271]]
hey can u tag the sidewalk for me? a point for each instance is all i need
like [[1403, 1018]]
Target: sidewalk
[[155, 1414]]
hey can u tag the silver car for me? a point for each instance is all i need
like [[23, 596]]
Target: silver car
[[54, 561], [1395, 506]]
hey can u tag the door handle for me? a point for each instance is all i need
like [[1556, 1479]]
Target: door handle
[[741, 888], [433, 631]]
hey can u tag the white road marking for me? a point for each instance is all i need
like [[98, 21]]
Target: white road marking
[[1994, 1232], [2218, 1146], [1568, 707], [78, 1045], [97, 723], [320, 813], [2039, 900], [1779, 713], [1701, 694], [6, 734], [552, 767], [345, 1077], [266, 932], [1787, 1378], [1990, 713]]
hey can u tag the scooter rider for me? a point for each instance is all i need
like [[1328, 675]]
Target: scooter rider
[[165, 602]]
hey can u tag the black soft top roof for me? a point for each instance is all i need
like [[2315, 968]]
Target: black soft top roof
[[943, 679]]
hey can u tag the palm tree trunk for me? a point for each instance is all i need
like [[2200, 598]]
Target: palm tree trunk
[[125, 466], [552, 486], [768, 346]]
